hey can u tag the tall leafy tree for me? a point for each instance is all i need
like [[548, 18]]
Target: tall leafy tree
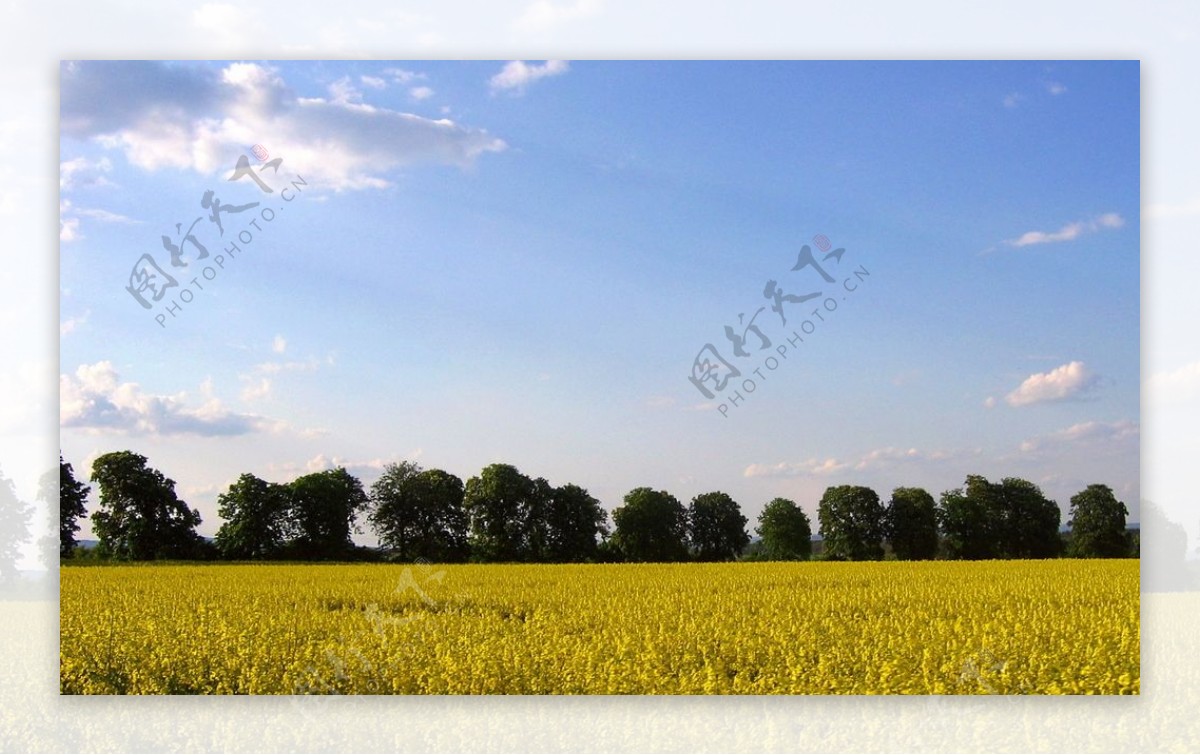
[[256, 519], [786, 531], [851, 518], [535, 517], [910, 524], [419, 513], [968, 517], [14, 528], [140, 517], [1008, 519], [716, 527], [324, 507], [1098, 524], [498, 503], [575, 524], [1029, 521], [71, 496], [650, 526]]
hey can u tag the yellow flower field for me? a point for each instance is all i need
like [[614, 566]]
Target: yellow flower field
[[1000, 627]]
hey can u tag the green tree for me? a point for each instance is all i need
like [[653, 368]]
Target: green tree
[[140, 518], [786, 531], [575, 523], [324, 507], [1008, 519], [419, 513], [1098, 524], [256, 519], [14, 528], [969, 520], [851, 519], [498, 503], [71, 496], [650, 526], [1029, 521], [716, 527], [910, 524]]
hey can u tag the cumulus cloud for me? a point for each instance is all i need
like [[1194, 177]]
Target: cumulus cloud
[[1055, 88], [279, 345], [193, 116], [543, 14], [420, 93], [517, 75], [1069, 381], [95, 399], [1012, 99], [1068, 232], [1090, 433]]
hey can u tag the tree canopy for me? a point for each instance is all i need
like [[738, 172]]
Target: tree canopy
[[716, 527], [650, 526], [1098, 524], [851, 519], [140, 517], [910, 524], [785, 530]]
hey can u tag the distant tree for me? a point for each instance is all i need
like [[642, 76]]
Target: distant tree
[[497, 503], [650, 526], [14, 528], [575, 524], [1029, 521], [419, 513], [324, 507], [786, 531], [851, 519], [1008, 519], [1098, 524], [256, 519], [140, 518], [716, 527], [71, 498], [910, 524], [535, 519], [968, 517]]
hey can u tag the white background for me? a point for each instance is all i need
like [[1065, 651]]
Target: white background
[[35, 36]]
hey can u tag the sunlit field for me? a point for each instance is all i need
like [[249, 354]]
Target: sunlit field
[[1001, 627]]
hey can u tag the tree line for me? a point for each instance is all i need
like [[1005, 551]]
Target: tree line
[[502, 515]]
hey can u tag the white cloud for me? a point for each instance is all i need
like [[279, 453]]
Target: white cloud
[[420, 93], [1011, 100], [1060, 384], [256, 389], [68, 229], [543, 14], [94, 399], [69, 325], [1055, 88], [1068, 232], [279, 345], [402, 76], [517, 74], [1090, 433], [374, 82], [811, 467], [990, 402], [81, 173], [190, 116]]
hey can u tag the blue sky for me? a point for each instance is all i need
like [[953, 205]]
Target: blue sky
[[519, 262]]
